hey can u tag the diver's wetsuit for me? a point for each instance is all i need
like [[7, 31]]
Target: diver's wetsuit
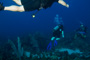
[[82, 29], [49, 3], [81, 32], [30, 5], [1, 6], [57, 33]]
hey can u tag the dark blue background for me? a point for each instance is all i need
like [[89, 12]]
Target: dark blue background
[[16, 23]]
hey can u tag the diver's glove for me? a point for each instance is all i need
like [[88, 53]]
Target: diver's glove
[[55, 43], [1, 6], [49, 46]]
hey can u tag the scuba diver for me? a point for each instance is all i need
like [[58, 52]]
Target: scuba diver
[[58, 32], [31, 5], [81, 31]]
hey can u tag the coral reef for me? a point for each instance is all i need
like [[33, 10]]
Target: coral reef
[[33, 47]]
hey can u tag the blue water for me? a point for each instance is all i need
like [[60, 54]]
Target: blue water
[[16, 23]]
